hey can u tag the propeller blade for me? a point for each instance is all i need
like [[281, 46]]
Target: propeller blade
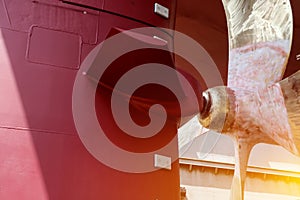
[[290, 88], [278, 111], [188, 132], [255, 108], [260, 35], [267, 115]]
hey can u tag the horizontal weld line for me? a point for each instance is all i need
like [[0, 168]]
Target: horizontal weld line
[[113, 13], [35, 130], [106, 11]]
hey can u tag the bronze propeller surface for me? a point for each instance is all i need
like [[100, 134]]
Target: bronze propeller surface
[[256, 107]]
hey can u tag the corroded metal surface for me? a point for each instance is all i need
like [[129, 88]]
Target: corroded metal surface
[[267, 115], [252, 106], [260, 35]]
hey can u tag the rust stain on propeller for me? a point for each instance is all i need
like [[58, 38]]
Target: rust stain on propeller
[[255, 107]]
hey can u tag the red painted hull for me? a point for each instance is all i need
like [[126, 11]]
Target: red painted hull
[[42, 44]]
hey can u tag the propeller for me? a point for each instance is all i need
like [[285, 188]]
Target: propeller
[[256, 106]]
